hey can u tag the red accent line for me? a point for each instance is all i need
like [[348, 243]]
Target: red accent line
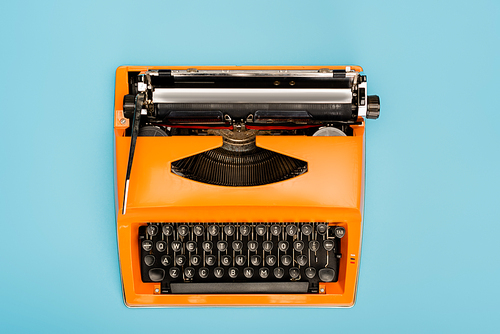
[[197, 126], [270, 127]]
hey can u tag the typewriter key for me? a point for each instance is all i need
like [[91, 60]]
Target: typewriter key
[[241, 259], [263, 272], [279, 272], [233, 272], [219, 272], [229, 230], [198, 230], [328, 245], [183, 230], [267, 246], [275, 230], [302, 260], [255, 259], [156, 275], [221, 245], [244, 230], [339, 232], [180, 260], [195, 260], [226, 260], [310, 272], [253, 245], [326, 274], [283, 245], [298, 245], [149, 260], [191, 246], [203, 272], [147, 245], [306, 229], [174, 272], [207, 246], [166, 260], [161, 246], [261, 230], [291, 230], [322, 228], [271, 260], [294, 272], [189, 272], [248, 272], [152, 230], [210, 260], [286, 260], [167, 230], [176, 245], [237, 245], [314, 245], [213, 230]]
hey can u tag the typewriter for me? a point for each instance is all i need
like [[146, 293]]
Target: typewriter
[[240, 186]]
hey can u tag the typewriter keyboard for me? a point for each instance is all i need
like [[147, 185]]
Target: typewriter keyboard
[[240, 257]]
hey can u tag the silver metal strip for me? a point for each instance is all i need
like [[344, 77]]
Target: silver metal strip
[[257, 95]]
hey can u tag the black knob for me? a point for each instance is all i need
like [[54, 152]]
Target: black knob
[[128, 105], [373, 108]]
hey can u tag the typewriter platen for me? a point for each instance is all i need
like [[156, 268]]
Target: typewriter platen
[[240, 185]]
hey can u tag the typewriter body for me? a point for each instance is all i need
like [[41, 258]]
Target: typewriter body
[[240, 186]]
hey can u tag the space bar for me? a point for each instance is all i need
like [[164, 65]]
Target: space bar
[[228, 288]]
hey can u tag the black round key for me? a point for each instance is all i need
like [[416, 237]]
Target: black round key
[[213, 230], [203, 272], [286, 260], [180, 260], [241, 260], [147, 245], [237, 245], [166, 260], [328, 245], [275, 230], [263, 272], [267, 246], [255, 260], [207, 246], [198, 230], [339, 232], [210, 260], [183, 230], [298, 245], [310, 272], [226, 260], [161, 246], [156, 274], [233, 272], [302, 260], [152, 230], [252, 245], [219, 272], [229, 230], [149, 260], [189, 272], [222, 245], [294, 272], [167, 230], [279, 272], [326, 274], [271, 260], [248, 272], [322, 228], [244, 230], [191, 246], [306, 229], [174, 272], [176, 245], [283, 245], [261, 230], [314, 245], [291, 230], [195, 260]]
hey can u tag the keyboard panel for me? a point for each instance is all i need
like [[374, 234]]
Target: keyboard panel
[[244, 257]]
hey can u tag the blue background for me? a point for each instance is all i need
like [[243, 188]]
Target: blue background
[[430, 249]]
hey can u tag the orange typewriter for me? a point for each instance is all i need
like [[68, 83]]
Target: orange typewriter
[[240, 185]]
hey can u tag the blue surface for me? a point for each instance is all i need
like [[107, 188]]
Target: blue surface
[[430, 250]]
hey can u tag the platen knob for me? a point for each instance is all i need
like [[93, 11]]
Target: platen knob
[[128, 105], [373, 107]]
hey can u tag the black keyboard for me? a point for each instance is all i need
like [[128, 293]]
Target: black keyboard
[[211, 258]]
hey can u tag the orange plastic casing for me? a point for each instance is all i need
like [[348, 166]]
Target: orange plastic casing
[[330, 191]]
